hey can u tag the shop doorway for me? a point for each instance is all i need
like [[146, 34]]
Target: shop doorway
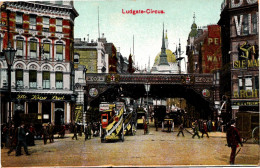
[[59, 116]]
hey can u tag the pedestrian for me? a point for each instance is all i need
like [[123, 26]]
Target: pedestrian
[[204, 130], [233, 138], [214, 125], [209, 125], [32, 133], [156, 123], [196, 130], [86, 132], [45, 134], [21, 140], [62, 131], [180, 130], [13, 132], [75, 130], [145, 125], [169, 125], [89, 130], [51, 132]]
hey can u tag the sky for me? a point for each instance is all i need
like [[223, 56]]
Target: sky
[[119, 28]]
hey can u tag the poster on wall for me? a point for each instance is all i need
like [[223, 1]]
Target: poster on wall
[[129, 83]]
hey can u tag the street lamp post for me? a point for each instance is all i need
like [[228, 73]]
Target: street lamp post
[[9, 53], [147, 88]]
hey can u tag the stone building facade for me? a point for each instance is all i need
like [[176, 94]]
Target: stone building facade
[[42, 77]]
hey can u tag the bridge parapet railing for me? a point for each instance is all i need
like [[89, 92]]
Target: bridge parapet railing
[[184, 79]]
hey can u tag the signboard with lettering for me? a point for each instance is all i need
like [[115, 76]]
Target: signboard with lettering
[[247, 56], [50, 97], [212, 49], [78, 113]]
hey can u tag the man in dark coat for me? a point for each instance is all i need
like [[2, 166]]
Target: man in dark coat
[[21, 140], [196, 130], [75, 130], [233, 138], [180, 130], [13, 133], [204, 130]]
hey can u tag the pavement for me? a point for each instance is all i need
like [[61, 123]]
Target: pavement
[[154, 149]]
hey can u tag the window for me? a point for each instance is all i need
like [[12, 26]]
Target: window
[[46, 80], [257, 82], [58, 2], [19, 77], [32, 22], [46, 50], [19, 47], [245, 25], [254, 23], [59, 80], [59, 51], [240, 83], [46, 23], [1, 45], [33, 48], [58, 25], [33, 79], [248, 83], [19, 20], [76, 58]]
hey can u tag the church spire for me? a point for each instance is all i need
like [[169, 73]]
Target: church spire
[[163, 56], [166, 40], [194, 17]]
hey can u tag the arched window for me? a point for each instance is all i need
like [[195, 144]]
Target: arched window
[[46, 50], [19, 47], [33, 48], [59, 80], [46, 79], [59, 51]]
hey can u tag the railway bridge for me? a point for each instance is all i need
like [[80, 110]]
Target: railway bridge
[[199, 90]]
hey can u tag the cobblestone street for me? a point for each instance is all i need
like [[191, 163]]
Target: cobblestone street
[[157, 148]]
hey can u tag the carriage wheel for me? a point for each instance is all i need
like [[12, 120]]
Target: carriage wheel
[[255, 135], [133, 129]]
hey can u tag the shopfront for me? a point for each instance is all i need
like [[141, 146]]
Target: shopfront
[[43, 107]]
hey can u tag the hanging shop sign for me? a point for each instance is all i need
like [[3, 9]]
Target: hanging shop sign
[[42, 97], [78, 113], [93, 92]]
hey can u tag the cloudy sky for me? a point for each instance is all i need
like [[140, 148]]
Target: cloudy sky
[[119, 28]]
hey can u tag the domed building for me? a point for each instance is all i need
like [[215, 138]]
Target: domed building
[[165, 61]]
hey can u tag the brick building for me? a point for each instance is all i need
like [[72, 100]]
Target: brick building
[[42, 78], [240, 40]]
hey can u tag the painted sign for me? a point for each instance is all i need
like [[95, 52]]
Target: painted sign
[[212, 49], [78, 113], [245, 103], [247, 56], [42, 97], [245, 94]]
